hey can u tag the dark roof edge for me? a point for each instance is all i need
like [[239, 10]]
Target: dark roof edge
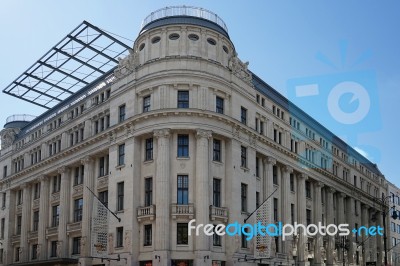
[[281, 100], [190, 20]]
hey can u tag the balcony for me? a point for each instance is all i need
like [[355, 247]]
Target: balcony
[[51, 231], [32, 235], [146, 213], [74, 227], [218, 213], [102, 182], [182, 211]]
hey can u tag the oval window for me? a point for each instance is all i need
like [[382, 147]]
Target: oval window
[[174, 36], [155, 39], [141, 47], [193, 37], [211, 41], [225, 49]]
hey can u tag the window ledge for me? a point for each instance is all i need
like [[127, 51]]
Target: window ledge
[[183, 158], [244, 168], [148, 161], [119, 248], [218, 162], [119, 166], [120, 211], [293, 192]]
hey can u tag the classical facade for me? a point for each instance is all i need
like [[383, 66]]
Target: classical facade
[[394, 205], [183, 130]]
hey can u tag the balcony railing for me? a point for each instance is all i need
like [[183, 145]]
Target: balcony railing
[[190, 11], [144, 213], [52, 231], [182, 211], [218, 213]]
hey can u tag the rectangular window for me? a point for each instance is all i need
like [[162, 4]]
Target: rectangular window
[[76, 245], [2, 227], [121, 154], [275, 210], [219, 105], [120, 196], [17, 252], [243, 238], [148, 191], [1, 255], [243, 156], [101, 166], [183, 190], [182, 234], [216, 150], [55, 221], [243, 115], [183, 145], [261, 128], [217, 192], [5, 171], [78, 208], [292, 182], [36, 191], [79, 172], [243, 194], [275, 175], [56, 183], [120, 237], [103, 197], [35, 221], [148, 235], [257, 199], [19, 197], [308, 189], [53, 249], [121, 113], [34, 251], [216, 239], [257, 167], [292, 213], [19, 224], [256, 123], [4, 199], [146, 104], [183, 99], [308, 217], [149, 150]]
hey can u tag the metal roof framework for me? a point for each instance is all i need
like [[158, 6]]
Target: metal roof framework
[[81, 57]]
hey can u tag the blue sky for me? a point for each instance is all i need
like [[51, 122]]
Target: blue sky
[[280, 39]]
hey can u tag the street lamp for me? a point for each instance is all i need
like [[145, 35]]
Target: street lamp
[[384, 202], [344, 245]]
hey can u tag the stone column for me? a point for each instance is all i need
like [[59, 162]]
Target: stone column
[[330, 255], [301, 219], [287, 170], [318, 217], [365, 222], [44, 217], [202, 193], [26, 218], [350, 220], [88, 182], [65, 202], [162, 198], [341, 217]]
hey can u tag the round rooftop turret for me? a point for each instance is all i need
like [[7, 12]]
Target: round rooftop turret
[[18, 121], [184, 15]]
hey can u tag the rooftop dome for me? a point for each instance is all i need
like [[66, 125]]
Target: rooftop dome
[[184, 15], [18, 121]]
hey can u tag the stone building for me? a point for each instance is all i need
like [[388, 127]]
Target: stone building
[[180, 129]]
